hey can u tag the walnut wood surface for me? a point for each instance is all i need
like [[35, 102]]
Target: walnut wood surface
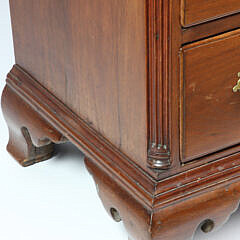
[[31, 138], [178, 221], [134, 101], [61, 118], [148, 102], [149, 208], [195, 12], [93, 58], [159, 97], [211, 28], [210, 108]]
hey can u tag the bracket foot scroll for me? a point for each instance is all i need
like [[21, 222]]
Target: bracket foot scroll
[[31, 138], [163, 219]]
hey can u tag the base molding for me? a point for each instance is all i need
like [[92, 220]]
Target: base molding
[[178, 221], [151, 208]]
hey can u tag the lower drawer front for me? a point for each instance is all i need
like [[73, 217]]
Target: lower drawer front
[[210, 109]]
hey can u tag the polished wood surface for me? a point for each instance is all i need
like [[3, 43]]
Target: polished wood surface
[[93, 58], [28, 143], [194, 12], [210, 108], [210, 29], [159, 94], [159, 210], [148, 101], [208, 207]]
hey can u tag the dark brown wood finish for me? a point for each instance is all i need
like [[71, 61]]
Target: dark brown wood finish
[[28, 143], [55, 113], [193, 12], [159, 25], [210, 29], [155, 116], [210, 108], [167, 201], [209, 207], [93, 58]]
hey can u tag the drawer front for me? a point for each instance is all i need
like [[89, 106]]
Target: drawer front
[[210, 110], [198, 11]]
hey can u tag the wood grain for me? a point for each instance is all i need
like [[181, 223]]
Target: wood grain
[[210, 108], [178, 220], [147, 100], [159, 208], [164, 190], [31, 138], [93, 58], [193, 12], [159, 30], [210, 29]]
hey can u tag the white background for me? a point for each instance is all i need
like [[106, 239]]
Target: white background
[[57, 199]]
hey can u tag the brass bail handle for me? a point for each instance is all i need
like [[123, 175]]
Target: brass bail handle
[[237, 87]]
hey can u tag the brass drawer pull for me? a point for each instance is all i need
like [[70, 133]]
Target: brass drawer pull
[[237, 87]]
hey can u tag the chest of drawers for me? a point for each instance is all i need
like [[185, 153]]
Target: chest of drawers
[[148, 90]]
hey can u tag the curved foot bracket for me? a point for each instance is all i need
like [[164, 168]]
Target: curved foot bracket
[[152, 209], [31, 138], [177, 220]]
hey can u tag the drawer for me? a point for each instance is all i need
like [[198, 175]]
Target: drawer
[[210, 110], [195, 11]]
